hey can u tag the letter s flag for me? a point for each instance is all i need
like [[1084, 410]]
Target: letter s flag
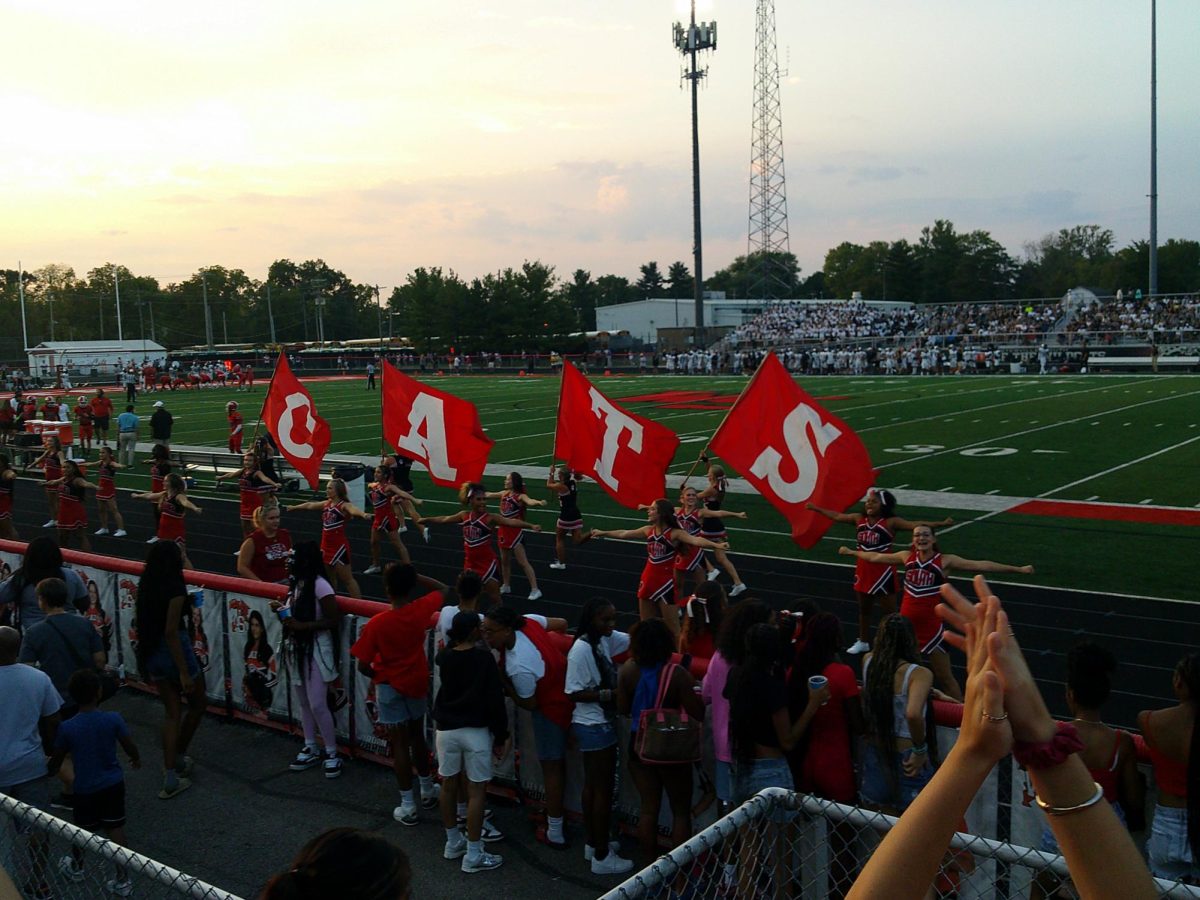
[[626, 454], [793, 451], [437, 429], [290, 415]]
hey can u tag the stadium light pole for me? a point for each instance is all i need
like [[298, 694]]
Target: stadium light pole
[[270, 314], [1153, 147], [117, 291], [21, 295]]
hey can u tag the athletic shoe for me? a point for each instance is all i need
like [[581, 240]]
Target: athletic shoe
[[119, 888], [859, 646], [455, 849], [558, 565], [184, 767], [63, 801], [402, 530], [168, 792], [51, 524], [332, 766], [543, 837], [489, 833], [737, 589], [611, 865], [483, 863], [406, 815], [714, 574], [100, 531], [120, 532], [372, 570], [505, 589], [425, 534], [535, 594], [430, 800], [589, 851], [305, 760], [153, 540], [71, 869]]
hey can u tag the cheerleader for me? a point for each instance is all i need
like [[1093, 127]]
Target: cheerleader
[[172, 504], [253, 486], [711, 526], [8, 480], [877, 527], [692, 516], [72, 514], [51, 462], [399, 471], [106, 493], [335, 548], [664, 539], [387, 500], [565, 484], [477, 524], [513, 503]]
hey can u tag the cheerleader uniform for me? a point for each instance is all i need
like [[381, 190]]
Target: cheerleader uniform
[[170, 521], [72, 514], [569, 516], [158, 472], [335, 549], [250, 497], [511, 508], [385, 512], [52, 467], [106, 487], [477, 546], [6, 497], [922, 592], [658, 576], [689, 558], [713, 527], [869, 577]]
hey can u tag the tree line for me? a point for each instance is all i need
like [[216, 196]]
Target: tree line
[[531, 307]]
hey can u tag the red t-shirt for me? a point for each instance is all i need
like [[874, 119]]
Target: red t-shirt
[[828, 768], [101, 407], [393, 642]]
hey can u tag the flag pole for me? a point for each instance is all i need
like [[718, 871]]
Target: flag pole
[[382, 374], [562, 380], [728, 413], [266, 397]]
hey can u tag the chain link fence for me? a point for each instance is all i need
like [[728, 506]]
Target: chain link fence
[[782, 844], [49, 858]]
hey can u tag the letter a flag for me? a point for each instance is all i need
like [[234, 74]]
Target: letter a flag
[[436, 429], [793, 451], [626, 454], [291, 417]]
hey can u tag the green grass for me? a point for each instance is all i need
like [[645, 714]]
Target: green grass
[[1117, 439]]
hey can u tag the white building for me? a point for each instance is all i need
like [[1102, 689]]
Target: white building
[[643, 318], [86, 358]]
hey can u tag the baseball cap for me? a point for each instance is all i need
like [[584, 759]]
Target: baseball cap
[[158, 403]]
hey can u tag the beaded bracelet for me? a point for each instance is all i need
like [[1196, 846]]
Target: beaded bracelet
[[1067, 810]]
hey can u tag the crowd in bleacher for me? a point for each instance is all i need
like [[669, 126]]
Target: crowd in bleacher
[[1158, 319]]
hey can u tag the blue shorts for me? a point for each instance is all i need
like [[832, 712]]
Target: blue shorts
[[395, 708], [751, 776], [1167, 847], [160, 665], [594, 737], [549, 739], [877, 788], [723, 780]]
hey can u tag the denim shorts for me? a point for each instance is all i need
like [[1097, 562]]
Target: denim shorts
[[395, 708], [723, 780], [160, 665], [877, 788], [594, 737], [550, 739], [751, 776], [1167, 847]]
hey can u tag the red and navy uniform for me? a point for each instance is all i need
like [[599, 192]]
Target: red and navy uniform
[[52, 466], [511, 508], [713, 527], [922, 592], [689, 558], [170, 521], [477, 545], [385, 513], [158, 471], [658, 577], [569, 516], [71, 512], [250, 495], [869, 577], [106, 488], [335, 549], [6, 497]]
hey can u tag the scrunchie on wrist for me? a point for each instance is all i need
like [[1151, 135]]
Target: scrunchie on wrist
[[1047, 754]]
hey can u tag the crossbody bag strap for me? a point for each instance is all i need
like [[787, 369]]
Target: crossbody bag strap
[[80, 662]]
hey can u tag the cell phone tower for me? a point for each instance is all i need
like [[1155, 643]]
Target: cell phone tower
[[769, 277]]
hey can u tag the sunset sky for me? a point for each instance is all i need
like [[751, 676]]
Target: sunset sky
[[382, 136]]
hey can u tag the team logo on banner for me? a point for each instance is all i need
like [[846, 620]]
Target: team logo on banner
[[290, 416]]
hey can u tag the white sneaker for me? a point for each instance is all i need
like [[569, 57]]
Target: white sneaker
[[535, 595], [70, 869], [120, 532], [482, 863], [589, 851], [611, 865], [738, 589], [402, 529], [425, 534], [372, 570], [505, 589], [558, 565], [153, 540], [455, 849], [430, 800], [100, 531], [714, 574], [858, 647], [406, 815], [51, 524]]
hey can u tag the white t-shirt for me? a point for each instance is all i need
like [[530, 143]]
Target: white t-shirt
[[584, 675], [445, 620], [524, 663], [323, 654], [29, 696]]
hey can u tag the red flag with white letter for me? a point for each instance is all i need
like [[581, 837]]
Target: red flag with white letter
[[626, 454], [291, 417], [793, 451], [437, 429]]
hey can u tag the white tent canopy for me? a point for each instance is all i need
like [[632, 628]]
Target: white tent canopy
[[90, 357]]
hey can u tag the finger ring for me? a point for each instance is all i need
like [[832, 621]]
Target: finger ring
[[991, 718], [1011, 633]]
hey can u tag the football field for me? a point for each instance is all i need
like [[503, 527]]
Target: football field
[[1094, 480]]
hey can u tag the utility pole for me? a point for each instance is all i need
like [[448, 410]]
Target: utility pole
[[270, 314], [117, 290], [224, 326], [691, 41], [208, 337], [152, 337]]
